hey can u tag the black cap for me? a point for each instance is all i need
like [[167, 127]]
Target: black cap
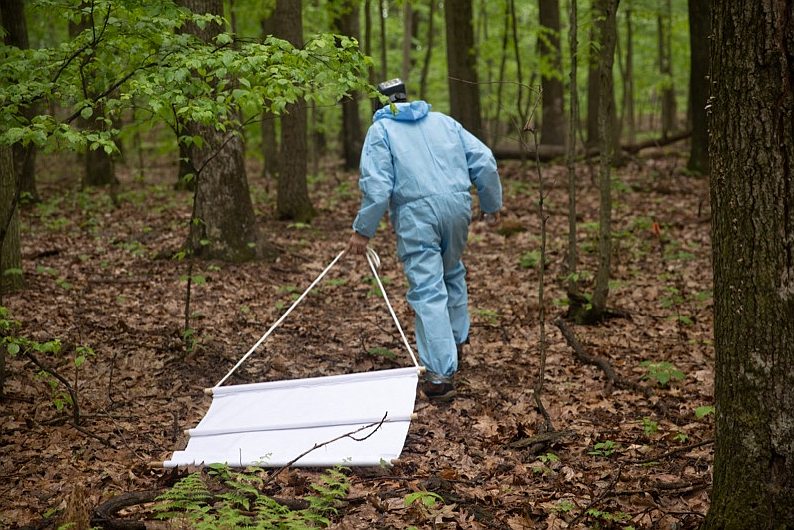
[[395, 89]]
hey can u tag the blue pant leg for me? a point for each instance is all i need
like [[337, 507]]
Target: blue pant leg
[[419, 248], [457, 217]]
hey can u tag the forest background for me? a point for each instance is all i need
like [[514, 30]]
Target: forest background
[[126, 300]]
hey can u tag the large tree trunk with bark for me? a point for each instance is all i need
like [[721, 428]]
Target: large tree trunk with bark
[[699, 44], [752, 200], [13, 21], [292, 202], [224, 224], [464, 92], [552, 129], [10, 252]]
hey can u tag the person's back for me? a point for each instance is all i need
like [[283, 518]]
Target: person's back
[[420, 165], [426, 149]]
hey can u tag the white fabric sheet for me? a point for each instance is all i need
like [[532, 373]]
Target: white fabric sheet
[[271, 424]]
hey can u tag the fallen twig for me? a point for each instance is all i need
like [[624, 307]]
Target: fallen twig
[[377, 425], [612, 378]]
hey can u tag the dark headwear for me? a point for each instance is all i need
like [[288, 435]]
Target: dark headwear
[[395, 89]]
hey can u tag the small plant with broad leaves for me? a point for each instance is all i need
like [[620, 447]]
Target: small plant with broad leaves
[[606, 448], [663, 372]]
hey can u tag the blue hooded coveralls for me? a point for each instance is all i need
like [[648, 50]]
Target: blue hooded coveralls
[[421, 165]]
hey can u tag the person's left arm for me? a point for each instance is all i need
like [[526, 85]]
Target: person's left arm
[[483, 173]]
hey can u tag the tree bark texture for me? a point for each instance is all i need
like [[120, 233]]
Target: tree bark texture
[[293, 201], [464, 92], [699, 44], [752, 201], [552, 127], [10, 252], [13, 21], [224, 224], [352, 132], [593, 83], [605, 130]]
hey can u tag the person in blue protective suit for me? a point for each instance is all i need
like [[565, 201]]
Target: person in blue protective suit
[[420, 165]]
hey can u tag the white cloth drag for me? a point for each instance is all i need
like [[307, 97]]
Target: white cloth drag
[[355, 419], [271, 424]]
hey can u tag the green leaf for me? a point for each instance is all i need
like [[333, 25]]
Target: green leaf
[[705, 410]]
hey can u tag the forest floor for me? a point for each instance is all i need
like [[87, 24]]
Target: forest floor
[[630, 452]]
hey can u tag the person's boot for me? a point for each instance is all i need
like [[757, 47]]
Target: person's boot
[[440, 392]]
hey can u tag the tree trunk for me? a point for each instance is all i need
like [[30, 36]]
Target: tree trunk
[[268, 125], [383, 10], [10, 252], [669, 111], [752, 201], [628, 82], [293, 201], [408, 34], [429, 41], [99, 167], [224, 224], [605, 124], [572, 286], [464, 92], [552, 130], [699, 43], [12, 16], [593, 83], [352, 132]]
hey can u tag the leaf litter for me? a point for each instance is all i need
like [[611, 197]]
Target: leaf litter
[[100, 275]]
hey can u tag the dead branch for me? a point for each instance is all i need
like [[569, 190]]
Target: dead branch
[[543, 439], [377, 425], [548, 153], [613, 380], [103, 514]]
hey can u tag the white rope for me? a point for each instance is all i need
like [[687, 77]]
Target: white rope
[[261, 340], [372, 259]]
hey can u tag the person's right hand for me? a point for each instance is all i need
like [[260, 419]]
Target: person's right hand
[[357, 245]]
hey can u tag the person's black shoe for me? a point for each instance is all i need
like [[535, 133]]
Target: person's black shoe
[[439, 391]]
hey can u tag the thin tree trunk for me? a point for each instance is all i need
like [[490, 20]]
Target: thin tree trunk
[[99, 169], [699, 45], [383, 9], [605, 123], [752, 201], [293, 201], [464, 91], [593, 83], [352, 132], [408, 30], [666, 69], [572, 286], [552, 131], [430, 41], [628, 86]]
